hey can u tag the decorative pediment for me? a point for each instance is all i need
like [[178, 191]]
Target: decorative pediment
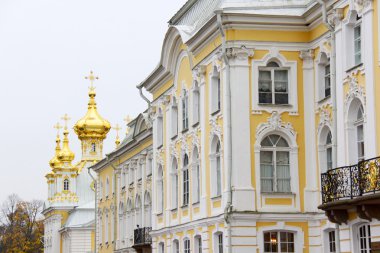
[[275, 123], [216, 129], [362, 5], [355, 91], [325, 117]]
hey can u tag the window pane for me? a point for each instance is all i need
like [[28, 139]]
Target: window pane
[[266, 159], [265, 98], [281, 98], [283, 172], [282, 143]]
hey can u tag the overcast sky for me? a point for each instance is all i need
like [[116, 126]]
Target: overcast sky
[[46, 49]]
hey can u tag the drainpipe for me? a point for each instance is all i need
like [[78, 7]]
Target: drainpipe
[[143, 96], [114, 199], [96, 203], [228, 208], [333, 98]]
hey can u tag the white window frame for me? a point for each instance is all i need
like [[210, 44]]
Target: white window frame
[[174, 184], [186, 245], [185, 182], [173, 118], [196, 176], [175, 248], [292, 105], [198, 244], [66, 184], [196, 102], [185, 110], [350, 23], [278, 240], [321, 63], [272, 71], [216, 172], [280, 226], [160, 190], [160, 129], [215, 90], [218, 242]]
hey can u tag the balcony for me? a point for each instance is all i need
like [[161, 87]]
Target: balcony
[[142, 238], [352, 187]]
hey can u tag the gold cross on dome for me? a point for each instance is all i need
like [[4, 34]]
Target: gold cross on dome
[[58, 127], [117, 128], [66, 118], [92, 79]]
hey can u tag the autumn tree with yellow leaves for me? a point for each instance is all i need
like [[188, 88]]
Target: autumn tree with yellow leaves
[[21, 226]]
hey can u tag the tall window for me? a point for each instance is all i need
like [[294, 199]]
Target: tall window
[[160, 190], [185, 111], [274, 163], [160, 131], [198, 244], [147, 210], [107, 186], [219, 243], [196, 176], [327, 78], [218, 170], [174, 175], [161, 247], [106, 228], [332, 241], [101, 229], [186, 180], [329, 161], [364, 236], [174, 119], [196, 105], [139, 169], [273, 84], [215, 91], [175, 246], [360, 133], [66, 185], [186, 245], [358, 42], [93, 147], [282, 242]]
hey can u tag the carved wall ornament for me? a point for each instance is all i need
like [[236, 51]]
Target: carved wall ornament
[[216, 129], [159, 155], [173, 150], [335, 17], [195, 141], [362, 5], [241, 53], [355, 91], [216, 64], [325, 118], [275, 123]]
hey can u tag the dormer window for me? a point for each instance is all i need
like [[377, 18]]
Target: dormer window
[[93, 147], [273, 84]]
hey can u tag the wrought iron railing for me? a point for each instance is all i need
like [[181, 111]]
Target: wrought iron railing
[[142, 236], [351, 181]]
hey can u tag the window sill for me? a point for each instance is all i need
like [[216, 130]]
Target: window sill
[[174, 210], [217, 197], [174, 136], [278, 193], [185, 206], [324, 99], [275, 105], [215, 112], [354, 67], [185, 130], [160, 214], [160, 146], [195, 204], [195, 124]]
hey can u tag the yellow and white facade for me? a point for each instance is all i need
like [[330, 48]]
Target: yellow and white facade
[[252, 101], [124, 192], [70, 208]]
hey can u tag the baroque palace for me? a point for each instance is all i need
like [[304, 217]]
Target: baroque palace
[[263, 135]]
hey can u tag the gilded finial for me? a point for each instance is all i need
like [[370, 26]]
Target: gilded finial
[[66, 118], [127, 120], [92, 79], [117, 128], [58, 127]]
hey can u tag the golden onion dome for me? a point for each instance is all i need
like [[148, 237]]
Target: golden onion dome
[[55, 162], [92, 125], [66, 155]]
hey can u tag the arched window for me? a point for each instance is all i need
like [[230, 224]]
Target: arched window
[[186, 182], [329, 161], [107, 186], [195, 176], [101, 239], [138, 211], [279, 241], [216, 167], [130, 219], [66, 184], [106, 228], [274, 164], [175, 246], [364, 236], [161, 247], [359, 123], [215, 91], [174, 176], [147, 210], [273, 84], [324, 76], [185, 111], [121, 234], [355, 131], [218, 242], [160, 190], [186, 245], [198, 244]]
